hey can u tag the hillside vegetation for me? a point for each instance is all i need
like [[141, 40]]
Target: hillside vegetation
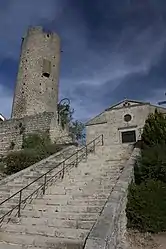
[[35, 147]]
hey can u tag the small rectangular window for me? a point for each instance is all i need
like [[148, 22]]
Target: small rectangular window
[[46, 68]]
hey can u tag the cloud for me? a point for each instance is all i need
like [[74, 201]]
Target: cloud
[[17, 16], [5, 101], [122, 71], [111, 50]]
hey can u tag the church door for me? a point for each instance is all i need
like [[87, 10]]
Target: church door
[[129, 136]]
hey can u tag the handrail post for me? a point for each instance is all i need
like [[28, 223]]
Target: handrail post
[[94, 146], [44, 186], [63, 170], [77, 158], [19, 204], [86, 151], [102, 140]]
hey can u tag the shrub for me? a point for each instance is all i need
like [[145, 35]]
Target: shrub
[[34, 140], [151, 164], [146, 207], [35, 148], [45, 151], [16, 161]]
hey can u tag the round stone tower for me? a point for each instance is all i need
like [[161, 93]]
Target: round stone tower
[[38, 74]]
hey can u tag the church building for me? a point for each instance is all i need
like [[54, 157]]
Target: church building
[[121, 123]]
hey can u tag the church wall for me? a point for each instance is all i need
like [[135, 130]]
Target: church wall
[[94, 131]]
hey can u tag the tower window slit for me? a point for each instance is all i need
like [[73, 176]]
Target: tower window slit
[[46, 68]]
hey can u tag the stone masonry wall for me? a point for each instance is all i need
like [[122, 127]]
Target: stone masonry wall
[[109, 230], [12, 130], [8, 134], [57, 134]]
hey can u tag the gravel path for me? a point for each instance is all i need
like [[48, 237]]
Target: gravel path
[[137, 240]]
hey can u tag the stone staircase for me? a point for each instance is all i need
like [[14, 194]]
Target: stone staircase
[[14, 183], [65, 215]]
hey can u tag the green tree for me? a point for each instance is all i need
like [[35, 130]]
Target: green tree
[[65, 114], [154, 131], [77, 130]]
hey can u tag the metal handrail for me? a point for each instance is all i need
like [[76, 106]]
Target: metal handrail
[[43, 186]]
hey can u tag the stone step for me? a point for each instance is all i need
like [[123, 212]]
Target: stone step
[[84, 198], [92, 185], [94, 171], [40, 241], [54, 222], [8, 205], [52, 169], [105, 154], [88, 181], [5, 195], [13, 202], [66, 208], [92, 189], [14, 188], [86, 177], [62, 215], [93, 195], [82, 202], [89, 177], [4, 212], [26, 179], [71, 233], [4, 245], [80, 191], [15, 198], [84, 182]]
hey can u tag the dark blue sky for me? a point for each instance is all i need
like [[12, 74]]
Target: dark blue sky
[[112, 49]]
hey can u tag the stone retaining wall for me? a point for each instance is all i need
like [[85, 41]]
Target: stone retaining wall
[[11, 131], [109, 230]]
